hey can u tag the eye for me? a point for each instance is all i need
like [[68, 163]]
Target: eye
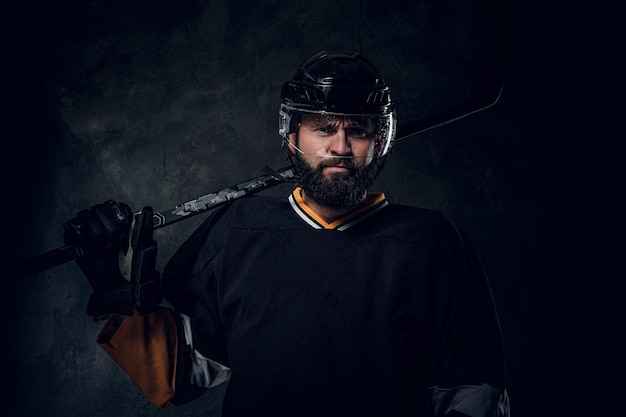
[[325, 129], [358, 132]]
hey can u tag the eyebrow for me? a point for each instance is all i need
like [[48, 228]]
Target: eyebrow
[[333, 120]]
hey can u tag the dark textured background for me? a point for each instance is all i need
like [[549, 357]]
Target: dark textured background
[[158, 102]]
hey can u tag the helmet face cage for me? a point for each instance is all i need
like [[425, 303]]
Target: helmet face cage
[[344, 86]]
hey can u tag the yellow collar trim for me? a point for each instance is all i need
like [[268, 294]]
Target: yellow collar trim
[[374, 199]]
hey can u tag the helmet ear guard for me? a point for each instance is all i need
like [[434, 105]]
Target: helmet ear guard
[[288, 121]]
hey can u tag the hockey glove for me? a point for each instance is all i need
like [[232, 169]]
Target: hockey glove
[[120, 266]]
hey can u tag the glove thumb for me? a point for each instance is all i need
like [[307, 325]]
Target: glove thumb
[[143, 235], [144, 278]]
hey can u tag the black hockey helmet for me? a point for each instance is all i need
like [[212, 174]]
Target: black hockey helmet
[[339, 85]]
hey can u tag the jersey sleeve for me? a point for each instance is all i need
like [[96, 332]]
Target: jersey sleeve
[[157, 352], [189, 285]]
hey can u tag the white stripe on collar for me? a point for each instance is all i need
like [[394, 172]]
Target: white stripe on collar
[[376, 202]]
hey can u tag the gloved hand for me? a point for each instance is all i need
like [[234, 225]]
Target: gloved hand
[[120, 266]]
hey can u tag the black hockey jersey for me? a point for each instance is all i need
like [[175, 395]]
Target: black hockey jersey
[[386, 311], [378, 312]]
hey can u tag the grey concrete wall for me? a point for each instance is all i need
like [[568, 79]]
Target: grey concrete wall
[[158, 102]]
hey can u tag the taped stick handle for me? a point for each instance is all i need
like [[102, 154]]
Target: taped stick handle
[[221, 197]]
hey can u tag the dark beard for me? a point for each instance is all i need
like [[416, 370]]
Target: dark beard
[[341, 190]]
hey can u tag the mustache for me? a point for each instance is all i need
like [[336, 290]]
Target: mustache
[[328, 162]]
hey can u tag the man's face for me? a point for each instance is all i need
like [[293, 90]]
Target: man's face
[[335, 157]]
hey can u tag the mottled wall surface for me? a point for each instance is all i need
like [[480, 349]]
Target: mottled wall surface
[[159, 102]]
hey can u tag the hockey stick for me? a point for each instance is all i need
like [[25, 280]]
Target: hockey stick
[[215, 199], [486, 94]]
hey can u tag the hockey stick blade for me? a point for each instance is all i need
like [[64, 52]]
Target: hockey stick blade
[[498, 54]]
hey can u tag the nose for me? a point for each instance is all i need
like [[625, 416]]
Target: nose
[[339, 143]]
